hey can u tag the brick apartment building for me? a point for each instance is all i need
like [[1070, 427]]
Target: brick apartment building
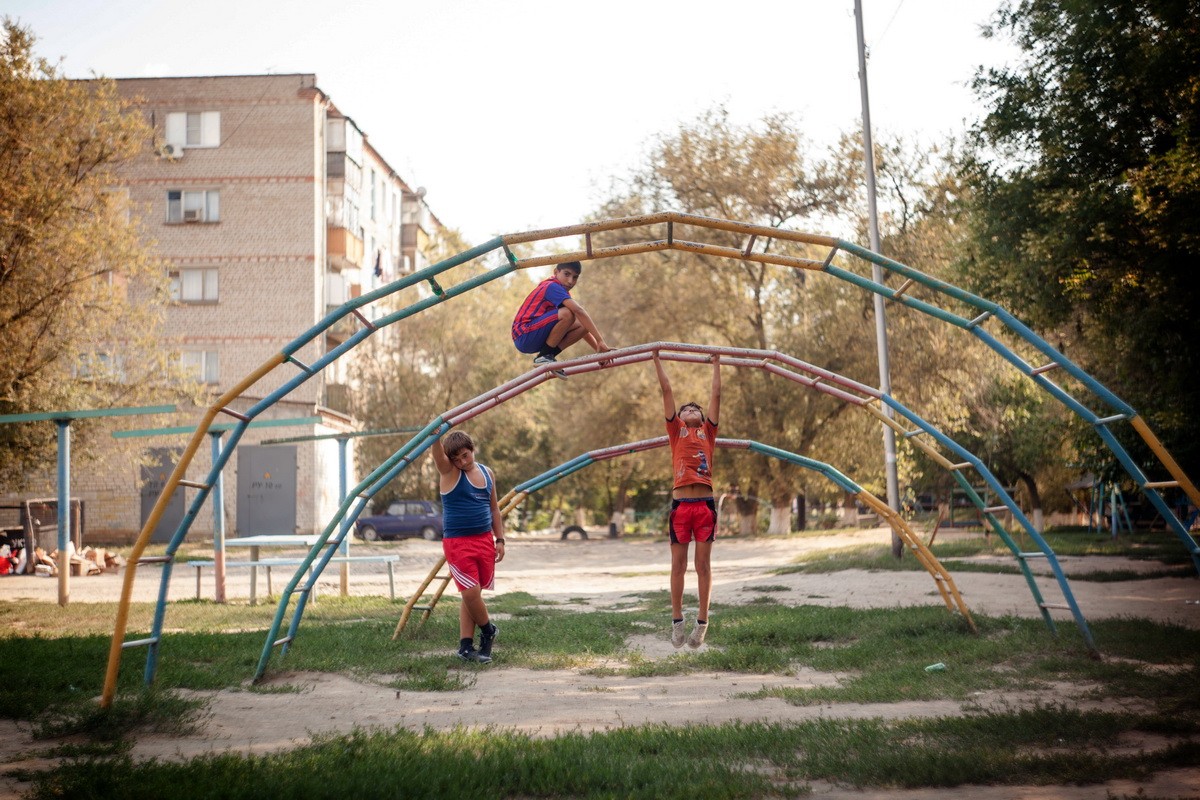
[[272, 208]]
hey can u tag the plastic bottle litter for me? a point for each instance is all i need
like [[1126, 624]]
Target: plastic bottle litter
[[938, 667]]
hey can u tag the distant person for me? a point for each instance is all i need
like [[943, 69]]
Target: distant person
[[693, 517], [472, 538], [550, 321]]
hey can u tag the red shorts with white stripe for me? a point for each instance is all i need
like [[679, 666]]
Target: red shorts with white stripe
[[472, 560]]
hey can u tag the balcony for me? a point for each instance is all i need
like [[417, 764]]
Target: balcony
[[344, 249], [337, 398]]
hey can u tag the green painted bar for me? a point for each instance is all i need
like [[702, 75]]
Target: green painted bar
[[220, 426], [46, 416], [351, 435]]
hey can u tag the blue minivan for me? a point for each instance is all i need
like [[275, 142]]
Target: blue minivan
[[402, 518]]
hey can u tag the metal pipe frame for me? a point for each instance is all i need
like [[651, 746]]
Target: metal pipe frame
[[671, 220]]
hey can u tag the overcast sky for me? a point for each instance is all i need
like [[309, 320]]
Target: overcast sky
[[516, 115]]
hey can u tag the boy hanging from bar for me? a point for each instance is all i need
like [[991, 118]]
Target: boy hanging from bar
[[693, 517]]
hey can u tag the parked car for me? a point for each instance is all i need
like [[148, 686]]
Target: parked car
[[403, 518]]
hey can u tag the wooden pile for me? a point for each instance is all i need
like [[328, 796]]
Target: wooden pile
[[90, 561]]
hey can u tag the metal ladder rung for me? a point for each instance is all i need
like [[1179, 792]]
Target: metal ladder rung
[[963, 465], [978, 320], [139, 642], [904, 287], [301, 365], [155, 559], [1107, 420], [194, 484], [284, 640], [1160, 485], [422, 608], [1033, 554], [1063, 606], [234, 414], [1044, 368], [366, 322], [995, 509]]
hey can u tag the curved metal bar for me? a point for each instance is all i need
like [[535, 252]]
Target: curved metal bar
[[942, 579], [670, 219], [676, 351]]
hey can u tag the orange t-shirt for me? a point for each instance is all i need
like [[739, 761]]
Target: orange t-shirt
[[691, 451]]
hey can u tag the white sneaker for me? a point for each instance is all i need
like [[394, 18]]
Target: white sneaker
[[677, 633], [550, 360], [697, 637]]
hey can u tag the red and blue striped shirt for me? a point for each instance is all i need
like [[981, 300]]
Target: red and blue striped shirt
[[546, 296]]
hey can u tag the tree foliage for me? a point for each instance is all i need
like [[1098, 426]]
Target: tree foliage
[[1084, 174], [409, 373], [81, 298]]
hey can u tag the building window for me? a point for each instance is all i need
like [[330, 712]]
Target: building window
[[100, 366], [372, 195], [202, 364], [194, 285], [204, 206], [193, 128]]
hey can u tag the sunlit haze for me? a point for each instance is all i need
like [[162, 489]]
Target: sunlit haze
[[517, 115]]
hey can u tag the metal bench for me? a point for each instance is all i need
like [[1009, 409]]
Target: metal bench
[[268, 563]]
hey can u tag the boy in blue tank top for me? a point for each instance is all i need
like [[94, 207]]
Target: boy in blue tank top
[[472, 538]]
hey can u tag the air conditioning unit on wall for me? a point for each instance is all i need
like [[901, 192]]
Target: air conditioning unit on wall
[[171, 152], [193, 215]]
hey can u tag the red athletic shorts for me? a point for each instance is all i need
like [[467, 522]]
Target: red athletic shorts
[[693, 519], [472, 560]]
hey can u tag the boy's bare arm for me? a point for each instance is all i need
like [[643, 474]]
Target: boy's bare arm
[[591, 334], [714, 403], [667, 396], [440, 460], [497, 520]]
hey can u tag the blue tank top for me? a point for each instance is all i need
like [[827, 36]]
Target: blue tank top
[[467, 509]]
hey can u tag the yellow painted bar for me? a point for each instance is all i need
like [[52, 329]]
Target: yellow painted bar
[[672, 217], [1168, 461], [677, 244], [412, 601], [160, 507], [925, 447], [924, 554]]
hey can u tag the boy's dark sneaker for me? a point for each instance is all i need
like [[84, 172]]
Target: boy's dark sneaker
[[550, 360], [471, 654], [485, 641]]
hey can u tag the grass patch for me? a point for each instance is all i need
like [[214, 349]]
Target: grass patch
[[1041, 746], [953, 554], [879, 656]]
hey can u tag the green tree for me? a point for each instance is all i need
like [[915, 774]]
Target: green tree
[[437, 359], [81, 298], [1085, 192]]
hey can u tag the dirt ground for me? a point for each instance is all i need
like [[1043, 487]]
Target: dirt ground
[[600, 573]]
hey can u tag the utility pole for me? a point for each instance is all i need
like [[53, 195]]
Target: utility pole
[[885, 380]]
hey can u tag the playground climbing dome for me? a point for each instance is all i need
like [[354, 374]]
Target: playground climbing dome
[[948, 304]]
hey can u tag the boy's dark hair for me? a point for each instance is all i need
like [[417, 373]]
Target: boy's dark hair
[[693, 405], [457, 440], [574, 266]]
